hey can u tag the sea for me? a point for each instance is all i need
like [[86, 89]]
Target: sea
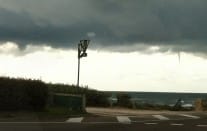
[[162, 98]]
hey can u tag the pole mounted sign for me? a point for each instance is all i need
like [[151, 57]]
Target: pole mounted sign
[[82, 47]]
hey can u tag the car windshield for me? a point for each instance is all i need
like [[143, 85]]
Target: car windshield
[[103, 65]]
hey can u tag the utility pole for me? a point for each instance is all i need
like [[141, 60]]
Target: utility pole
[[82, 47]]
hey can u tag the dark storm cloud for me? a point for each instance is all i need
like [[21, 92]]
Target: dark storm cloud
[[20, 27], [178, 25]]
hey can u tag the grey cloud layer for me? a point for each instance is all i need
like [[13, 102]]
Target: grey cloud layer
[[177, 24]]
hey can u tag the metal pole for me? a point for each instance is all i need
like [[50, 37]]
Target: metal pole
[[82, 46], [78, 66], [78, 71]]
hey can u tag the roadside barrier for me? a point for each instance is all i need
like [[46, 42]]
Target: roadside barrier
[[73, 102]]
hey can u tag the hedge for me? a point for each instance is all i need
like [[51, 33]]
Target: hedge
[[21, 94]]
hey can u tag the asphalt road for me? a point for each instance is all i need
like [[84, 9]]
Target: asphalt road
[[158, 121], [178, 125]]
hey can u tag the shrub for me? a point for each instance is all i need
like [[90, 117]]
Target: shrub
[[96, 98], [123, 100], [21, 94]]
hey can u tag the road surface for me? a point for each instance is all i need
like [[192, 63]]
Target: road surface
[[184, 125], [142, 122]]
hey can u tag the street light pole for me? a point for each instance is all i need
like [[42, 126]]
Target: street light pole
[[82, 47], [78, 69]]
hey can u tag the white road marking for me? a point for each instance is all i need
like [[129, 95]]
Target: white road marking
[[150, 123], [160, 117], [201, 125], [123, 119], [191, 116], [176, 124], [75, 120]]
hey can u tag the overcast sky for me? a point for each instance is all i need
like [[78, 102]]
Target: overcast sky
[[140, 45]]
